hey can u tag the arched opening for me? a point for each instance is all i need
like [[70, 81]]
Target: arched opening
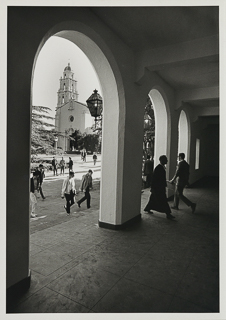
[[73, 126], [161, 126], [109, 82], [183, 135]]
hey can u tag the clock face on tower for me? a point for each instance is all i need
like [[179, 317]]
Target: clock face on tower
[[71, 118]]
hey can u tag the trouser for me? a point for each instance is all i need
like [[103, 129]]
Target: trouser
[[148, 180], [33, 202], [41, 192], [69, 201], [54, 170], [61, 170], [178, 194], [86, 197]]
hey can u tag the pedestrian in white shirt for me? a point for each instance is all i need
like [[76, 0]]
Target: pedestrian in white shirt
[[68, 191]]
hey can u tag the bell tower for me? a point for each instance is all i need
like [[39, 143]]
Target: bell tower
[[68, 87]]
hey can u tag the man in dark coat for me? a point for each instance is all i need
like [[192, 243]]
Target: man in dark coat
[[54, 166], [40, 173], [181, 178], [70, 164], [158, 200], [85, 186], [148, 171]]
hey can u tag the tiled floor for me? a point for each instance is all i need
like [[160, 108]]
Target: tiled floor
[[154, 266]]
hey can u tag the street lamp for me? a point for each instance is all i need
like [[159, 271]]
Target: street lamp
[[95, 105], [147, 121], [56, 139]]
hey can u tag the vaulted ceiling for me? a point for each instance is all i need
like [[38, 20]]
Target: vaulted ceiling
[[148, 29]]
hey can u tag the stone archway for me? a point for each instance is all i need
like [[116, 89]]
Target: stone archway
[[110, 80]]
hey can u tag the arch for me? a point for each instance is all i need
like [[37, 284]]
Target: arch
[[183, 135], [110, 80], [161, 123]]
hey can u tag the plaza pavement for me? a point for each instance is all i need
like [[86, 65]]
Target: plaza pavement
[[155, 266]]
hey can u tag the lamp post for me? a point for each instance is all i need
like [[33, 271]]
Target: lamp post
[[147, 125], [147, 121], [56, 139], [95, 105]]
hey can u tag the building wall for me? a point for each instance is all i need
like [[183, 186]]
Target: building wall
[[64, 124]]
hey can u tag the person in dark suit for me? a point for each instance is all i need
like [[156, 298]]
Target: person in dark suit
[[54, 166], [41, 174], [148, 171], [158, 200], [85, 186], [70, 164], [181, 178]]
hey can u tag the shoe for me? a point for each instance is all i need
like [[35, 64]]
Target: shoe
[[43, 198], [33, 215], [148, 211], [68, 214], [170, 216], [78, 205], [175, 208], [193, 206], [88, 207]]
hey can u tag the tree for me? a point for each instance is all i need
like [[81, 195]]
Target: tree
[[75, 139], [42, 133], [149, 129], [90, 142]]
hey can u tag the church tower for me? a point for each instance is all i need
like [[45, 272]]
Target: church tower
[[71, 114], [68, 87]]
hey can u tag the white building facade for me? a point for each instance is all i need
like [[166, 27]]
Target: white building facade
[[71, 114]]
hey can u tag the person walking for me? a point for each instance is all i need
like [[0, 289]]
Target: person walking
[[70, 164], [86, 185], [33, 192], [54, 166], [68, 191], [148, 171], [83, 153], [62, 165], [94, 159], [181, 179], [41, 175], [158, 200]]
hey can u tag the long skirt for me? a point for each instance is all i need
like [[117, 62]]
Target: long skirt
[[158, 202]]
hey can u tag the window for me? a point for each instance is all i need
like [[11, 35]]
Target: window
[[197, 154]]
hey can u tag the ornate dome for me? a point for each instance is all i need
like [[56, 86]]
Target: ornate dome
[[67, 68]]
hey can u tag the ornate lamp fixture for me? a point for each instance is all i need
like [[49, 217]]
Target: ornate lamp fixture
[[95, 105], [147, 121]]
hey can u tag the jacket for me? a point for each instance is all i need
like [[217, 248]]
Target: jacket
[[86, 182], [182, 173], [68, 186]]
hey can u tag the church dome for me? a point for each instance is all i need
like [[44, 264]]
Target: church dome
[[67, 68]]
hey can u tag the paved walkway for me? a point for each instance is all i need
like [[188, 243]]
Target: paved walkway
[[154, 266]]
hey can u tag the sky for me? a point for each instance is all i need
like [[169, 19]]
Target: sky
[[53, 58]]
